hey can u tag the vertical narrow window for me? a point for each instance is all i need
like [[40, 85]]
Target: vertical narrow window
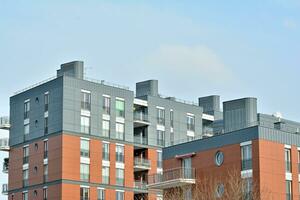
[[46, 125], [186, 165], [105, 128], [25, 177], [172, 118], [84, 148], [84, 172], [26, 109], [160, 138], [159, 159], [25, 154], [160, 116], [46, 101], [100, 194], [119, 153], [287, 156], [25, 196], [246, 152], [120, 131], [119, 195], [172, 138], [119, 177], [105, 151], [86, 100], [84, 193], [105, 175], [45, 193], [26, 130], [45, 149], [106, 105], [190, 122], [288, 188], [45, 173], [120, 108], [247, 184], [85, 124]]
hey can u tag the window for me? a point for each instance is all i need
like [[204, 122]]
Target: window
[[287, 156], [106, 105], [105, 175], [160, 138], [46, 125], [45, 173], [46, 101], [119, 177], [105, 128], [45, 149], [25, 154], [105, 151], [120, 108], [246, 152], [26, 129], [186, 164], [25, 177], [172, 118], [86, 100], [172, 138], [85, 124], [159, 159], [84, 193], [119, 153], [299, 163], [247, 188], [160, 116], [84, 172], [119, 195], [120, 131], [288, 188], [45, 193], [190, 122], [100, 194], [26, 109], [84, 148], [25, 196]]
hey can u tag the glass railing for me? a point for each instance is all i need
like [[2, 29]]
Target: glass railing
[[140, 140], [140, 116], [141, 162], [140, 184], [246, 164], [173, 174]]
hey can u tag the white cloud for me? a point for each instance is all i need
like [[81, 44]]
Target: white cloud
[[289, 24], [189, 61]]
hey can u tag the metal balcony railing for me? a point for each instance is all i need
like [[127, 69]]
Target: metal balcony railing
[[140, 184], [4, 189], [142, 162], [171, 175], [4, 144], [140, 116], [140, 140]]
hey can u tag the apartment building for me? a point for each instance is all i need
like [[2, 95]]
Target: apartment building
[[77, 138], [263, 149]]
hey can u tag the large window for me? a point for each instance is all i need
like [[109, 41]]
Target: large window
[[287, 156], [45, 149], [84, 193], [85, 124], [172, 118], [105, 128], [45, 193], [159, 159], [84, 172], [105, 151], [25, 154], [46, 101], [246, 152], [190, 122], [46, 125], [119, 195], [26, 109], [26, 129], [45, 173], [120, 108], [84, 148], [247, 188], [120, 177], [105, 175], [100, 194], [25, 196], [186, 165], [288, 188], [106, 105], [25, 177], [86, 100], [160, 138], [160, 116], [119, 153], [120, 129]]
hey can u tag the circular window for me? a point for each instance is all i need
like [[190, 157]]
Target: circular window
[[220, 190], [219, 158]]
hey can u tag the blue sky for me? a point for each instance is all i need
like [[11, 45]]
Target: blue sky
[[194, 48]]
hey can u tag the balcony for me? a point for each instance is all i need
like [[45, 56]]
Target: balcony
[[5, 189], [141, 164], [172, 178], [140, 119], [4, 144], [141, 140], [4, 123], [141, 185], [5, 165]]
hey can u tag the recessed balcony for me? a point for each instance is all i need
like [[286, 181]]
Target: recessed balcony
[[172, 178], [4, 144], [141, 164], [140, 119], [141, 185]]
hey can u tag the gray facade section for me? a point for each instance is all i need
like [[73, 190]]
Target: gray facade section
[[36, 114], [149, 87], [72, 69]]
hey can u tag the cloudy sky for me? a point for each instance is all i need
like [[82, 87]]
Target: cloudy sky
[[194, 48]]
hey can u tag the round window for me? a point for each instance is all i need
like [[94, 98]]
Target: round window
[[219, 158]]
